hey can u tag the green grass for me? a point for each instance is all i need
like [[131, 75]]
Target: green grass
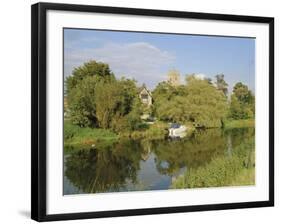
[[245, 177], [158, 130], [77, 136], [247, 123], [235, 170]]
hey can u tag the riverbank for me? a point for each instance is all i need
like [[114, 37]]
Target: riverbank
[[141, 164], [75, 136], [155, 131], [237, 169], [246, 123]]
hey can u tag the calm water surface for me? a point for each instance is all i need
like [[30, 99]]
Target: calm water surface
[[132, 165]]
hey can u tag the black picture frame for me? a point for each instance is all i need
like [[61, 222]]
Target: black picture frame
[[38, 108]]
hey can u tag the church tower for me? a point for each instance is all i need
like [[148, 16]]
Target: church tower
[[173, 77]]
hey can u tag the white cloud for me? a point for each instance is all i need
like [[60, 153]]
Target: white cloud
[[142, 61]]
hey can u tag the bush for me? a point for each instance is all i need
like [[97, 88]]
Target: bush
[[70, 130]]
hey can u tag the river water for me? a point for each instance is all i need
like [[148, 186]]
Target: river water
[[137, 165]]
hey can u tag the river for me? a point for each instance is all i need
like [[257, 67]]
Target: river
[[137, 165]]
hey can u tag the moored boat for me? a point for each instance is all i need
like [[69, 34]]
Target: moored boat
[[177, 130]]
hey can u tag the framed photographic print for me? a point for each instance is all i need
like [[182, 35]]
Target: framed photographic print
[[140, 111]]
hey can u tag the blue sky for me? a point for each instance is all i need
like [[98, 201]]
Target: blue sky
[[147, 57]]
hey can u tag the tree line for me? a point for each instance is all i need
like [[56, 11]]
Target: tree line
[[96, 98]]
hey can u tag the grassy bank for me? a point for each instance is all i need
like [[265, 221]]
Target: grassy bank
[[157, 130], [245, 177], [247, 123], [234, 170], [77, 136]]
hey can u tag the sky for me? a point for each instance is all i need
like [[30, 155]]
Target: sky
[[147, 57]]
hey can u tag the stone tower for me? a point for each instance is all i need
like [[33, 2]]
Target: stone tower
[[173, 77]]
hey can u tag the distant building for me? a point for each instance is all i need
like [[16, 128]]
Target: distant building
[[174, 78], [145, 96]]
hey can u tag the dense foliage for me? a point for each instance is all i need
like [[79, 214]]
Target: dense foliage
[[242, 104], [97, 99], [198, 102]]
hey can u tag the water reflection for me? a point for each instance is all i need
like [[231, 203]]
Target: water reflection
[[144, 164]]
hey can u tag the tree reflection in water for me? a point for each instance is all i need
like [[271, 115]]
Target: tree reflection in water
[[117, 167]]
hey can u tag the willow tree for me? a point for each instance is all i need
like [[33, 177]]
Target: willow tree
[[198, 102], [169, 102], [207, 106]]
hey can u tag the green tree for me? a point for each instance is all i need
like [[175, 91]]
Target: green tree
[[97, 99], [116, 104], [81, 104], [169, 102], [91, 68], [173, 110], [236, 111], [198, 102], [207, 107], [107, 98], [80, 91], [242, 93], [242, 104]]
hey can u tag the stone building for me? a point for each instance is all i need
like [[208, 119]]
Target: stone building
[[145, 96], [174, 78]]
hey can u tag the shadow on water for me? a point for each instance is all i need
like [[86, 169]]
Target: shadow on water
[[131, 165]]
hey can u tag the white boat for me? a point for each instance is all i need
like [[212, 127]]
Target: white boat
[[177, 130]]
